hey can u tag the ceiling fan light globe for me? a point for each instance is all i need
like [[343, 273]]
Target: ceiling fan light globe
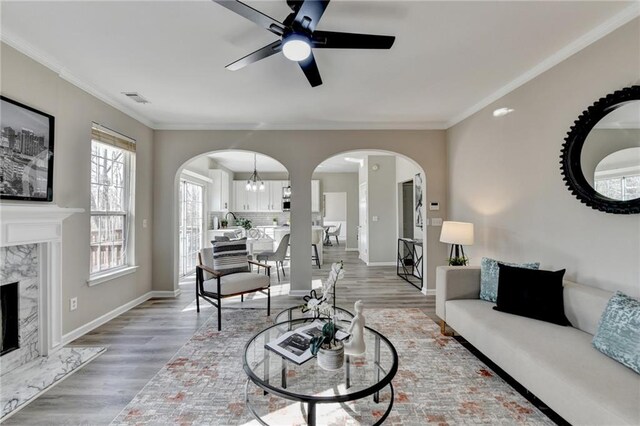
[[296, 49]]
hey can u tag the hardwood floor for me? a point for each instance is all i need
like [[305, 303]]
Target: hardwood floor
[[141, 341]]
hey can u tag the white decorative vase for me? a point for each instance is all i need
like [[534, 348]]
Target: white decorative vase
[[331, 359]]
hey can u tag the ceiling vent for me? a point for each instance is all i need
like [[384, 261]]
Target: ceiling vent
[[135, 97]]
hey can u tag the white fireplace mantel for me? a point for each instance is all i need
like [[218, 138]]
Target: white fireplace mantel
[[31, 223], [41, 224]]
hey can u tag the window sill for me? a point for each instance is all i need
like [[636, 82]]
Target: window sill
[[111, 275]]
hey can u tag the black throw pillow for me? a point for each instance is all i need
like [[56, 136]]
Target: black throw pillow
[[532, 293]]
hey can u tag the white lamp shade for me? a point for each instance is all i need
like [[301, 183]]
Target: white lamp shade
[[457, 233]]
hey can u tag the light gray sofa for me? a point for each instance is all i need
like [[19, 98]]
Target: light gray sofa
[[557, 364]]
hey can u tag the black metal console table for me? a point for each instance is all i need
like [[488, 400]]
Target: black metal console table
[[409, 263]]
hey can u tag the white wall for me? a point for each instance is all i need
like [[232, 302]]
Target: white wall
[[383, 220], [173, 148], [504, 173], [26, 81]]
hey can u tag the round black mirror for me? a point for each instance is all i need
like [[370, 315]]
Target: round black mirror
[[601, 154]]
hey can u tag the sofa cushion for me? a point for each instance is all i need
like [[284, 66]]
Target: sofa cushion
[[489, 274], [531, 293], [618, 334], [558, 364], [230, 257], [237, 283], [583, 305]]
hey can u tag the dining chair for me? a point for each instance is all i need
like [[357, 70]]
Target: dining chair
[[335, 233], [277, 256]]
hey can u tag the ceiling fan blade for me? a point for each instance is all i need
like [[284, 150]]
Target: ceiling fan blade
[[310, 69], [253, 15], [310, 13], [259, 54], [337, 40]]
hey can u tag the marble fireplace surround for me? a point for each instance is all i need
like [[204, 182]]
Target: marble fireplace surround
[[24, 224]]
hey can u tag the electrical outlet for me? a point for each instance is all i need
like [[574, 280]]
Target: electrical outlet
[[144, 223], [73, 303]]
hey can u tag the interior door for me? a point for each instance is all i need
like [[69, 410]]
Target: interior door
[[191, 225], [363, 229]]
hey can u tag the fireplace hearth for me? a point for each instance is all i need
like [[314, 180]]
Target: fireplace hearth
[[9, 315]]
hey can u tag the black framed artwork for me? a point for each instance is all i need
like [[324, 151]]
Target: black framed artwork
[[26, 148]]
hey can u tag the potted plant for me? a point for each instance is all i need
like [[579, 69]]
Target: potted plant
[[224, 223], [244, 223], [458, 261], [329, 352], [275, 221]]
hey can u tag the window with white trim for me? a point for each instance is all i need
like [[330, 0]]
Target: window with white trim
[[112, 199]]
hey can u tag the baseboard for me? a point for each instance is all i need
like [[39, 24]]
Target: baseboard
[[430, 292], [351, 249], [165, 294], [381, 264], [81, 331]]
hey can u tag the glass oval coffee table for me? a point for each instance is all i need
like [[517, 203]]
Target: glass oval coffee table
[[360, 377]]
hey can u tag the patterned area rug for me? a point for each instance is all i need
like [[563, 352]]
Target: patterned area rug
[[438, 382]]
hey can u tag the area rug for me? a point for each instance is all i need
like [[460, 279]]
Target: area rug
[[26, 383], [438, 382]]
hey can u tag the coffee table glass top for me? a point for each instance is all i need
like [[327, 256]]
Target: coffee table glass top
[[359, 376]]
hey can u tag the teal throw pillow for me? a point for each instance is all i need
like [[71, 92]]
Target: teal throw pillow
[[489, 273], [618, 334]]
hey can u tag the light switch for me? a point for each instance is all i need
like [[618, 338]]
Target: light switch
[[144, 223], [436, 221], [375, 218]]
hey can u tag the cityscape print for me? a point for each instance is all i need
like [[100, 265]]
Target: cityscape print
[[25, 151]]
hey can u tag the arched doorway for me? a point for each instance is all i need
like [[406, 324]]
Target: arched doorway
[[371, 202], [240, 192]]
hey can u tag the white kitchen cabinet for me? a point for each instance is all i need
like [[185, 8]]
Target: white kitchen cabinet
[[315, 195], [263, 199], [219, 194], [269, 200], [275, 190], [240, 200]]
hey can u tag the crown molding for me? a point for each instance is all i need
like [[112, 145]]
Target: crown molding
[[435, 125], [610, 25], [590, 37], [27, 49]]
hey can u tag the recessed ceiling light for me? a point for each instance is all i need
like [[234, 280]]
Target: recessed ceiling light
[[501, 112]]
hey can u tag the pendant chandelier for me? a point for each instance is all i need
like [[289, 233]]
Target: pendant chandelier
[[252, 182]]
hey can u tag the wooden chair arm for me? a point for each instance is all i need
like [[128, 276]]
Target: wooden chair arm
[[262, 265], [209, 270]]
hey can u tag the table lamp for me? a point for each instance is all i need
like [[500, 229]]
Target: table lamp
[[458, 234]]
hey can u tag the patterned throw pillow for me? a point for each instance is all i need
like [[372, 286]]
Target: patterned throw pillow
[[489, 277], [230, 256], [618, 334]]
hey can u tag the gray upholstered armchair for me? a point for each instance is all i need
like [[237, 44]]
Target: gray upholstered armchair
[[223, 271]]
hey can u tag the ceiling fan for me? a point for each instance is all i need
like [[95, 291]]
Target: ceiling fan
[[298, 36]]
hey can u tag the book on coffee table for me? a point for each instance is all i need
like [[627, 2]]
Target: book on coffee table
[[295, 345]]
